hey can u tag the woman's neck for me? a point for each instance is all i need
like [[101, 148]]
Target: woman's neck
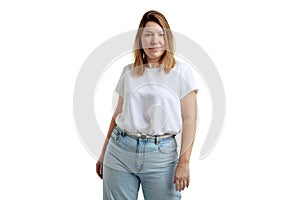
[[153, 63]]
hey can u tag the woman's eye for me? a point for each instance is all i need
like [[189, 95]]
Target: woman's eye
[[161, 34], [147, 35]]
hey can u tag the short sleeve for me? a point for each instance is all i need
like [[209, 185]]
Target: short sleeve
[[121, 83], [187, 81]]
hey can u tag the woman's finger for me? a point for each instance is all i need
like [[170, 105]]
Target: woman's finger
[[97, 168], [185, 184], [101, 171], [177, 184], [188, 182], [181, 184]]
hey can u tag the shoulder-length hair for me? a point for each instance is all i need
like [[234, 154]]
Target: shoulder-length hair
[[167, 60]]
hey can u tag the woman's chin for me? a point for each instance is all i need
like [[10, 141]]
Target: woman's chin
[[155, 55]]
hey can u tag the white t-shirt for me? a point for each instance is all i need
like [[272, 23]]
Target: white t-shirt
[[152, 101]]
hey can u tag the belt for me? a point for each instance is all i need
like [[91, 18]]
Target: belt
[[144, 135]]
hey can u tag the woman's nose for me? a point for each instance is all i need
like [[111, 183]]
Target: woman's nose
[[154, 39]]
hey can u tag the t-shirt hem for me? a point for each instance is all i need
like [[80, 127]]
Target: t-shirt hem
[[191, 90]]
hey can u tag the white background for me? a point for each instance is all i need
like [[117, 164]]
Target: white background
[[255, 46]]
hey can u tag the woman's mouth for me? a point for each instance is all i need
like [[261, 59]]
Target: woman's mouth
[[155, 48]]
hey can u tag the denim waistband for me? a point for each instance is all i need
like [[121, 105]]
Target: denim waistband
[[138, 135]]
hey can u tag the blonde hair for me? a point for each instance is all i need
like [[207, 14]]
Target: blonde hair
[[167, 60]]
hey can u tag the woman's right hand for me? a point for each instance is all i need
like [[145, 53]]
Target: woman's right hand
[[99, 167]]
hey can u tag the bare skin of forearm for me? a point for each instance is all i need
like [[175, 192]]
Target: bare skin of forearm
[[187, 140], [111, 126], [110, 129], [99, 164]]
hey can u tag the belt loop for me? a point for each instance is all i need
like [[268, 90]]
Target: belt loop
[[157, 140], [123, 133]]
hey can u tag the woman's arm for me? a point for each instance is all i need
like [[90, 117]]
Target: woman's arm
[[99, 164], [189, 117], [112, 124]]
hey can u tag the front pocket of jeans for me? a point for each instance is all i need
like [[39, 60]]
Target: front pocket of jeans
[[169, 146], [115, 135]]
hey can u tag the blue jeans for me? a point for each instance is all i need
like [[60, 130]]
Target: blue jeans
[[130, 162]]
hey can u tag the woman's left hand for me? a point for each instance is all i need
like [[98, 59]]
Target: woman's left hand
[[182, 176]]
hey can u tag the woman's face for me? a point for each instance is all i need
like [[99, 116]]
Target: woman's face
[[153, 41]]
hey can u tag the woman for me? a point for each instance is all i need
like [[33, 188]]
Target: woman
[[157, 101]]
